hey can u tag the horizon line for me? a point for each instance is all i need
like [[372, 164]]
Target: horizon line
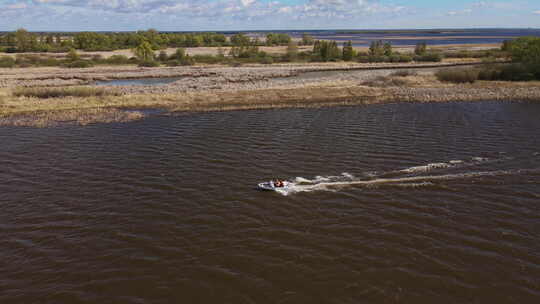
[[288, 30]]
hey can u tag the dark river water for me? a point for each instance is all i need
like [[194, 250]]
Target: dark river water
[[419, 203]]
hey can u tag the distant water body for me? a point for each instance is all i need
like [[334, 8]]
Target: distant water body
[[402, 203], [431, 37]]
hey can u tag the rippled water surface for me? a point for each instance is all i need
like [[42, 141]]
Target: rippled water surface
[[421, 203], [411, 38]]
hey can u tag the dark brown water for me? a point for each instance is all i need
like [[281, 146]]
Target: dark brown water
[[432, 203]]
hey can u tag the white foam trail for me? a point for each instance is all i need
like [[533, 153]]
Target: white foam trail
[[412, 181], [427, 167], [448, 165], [415, 185]]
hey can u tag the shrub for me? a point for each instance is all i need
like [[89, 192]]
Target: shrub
[[266, 60], [489, 74], [404, 73], [405, 58], [163, 56], [187, 60], [394, 58], [173, 63], [525, 50], [49, 61], [421, 48], [457, 75], [149, 63], [62, 92], [384, 81], [429, 57], [379, 59], [517, 72], [326, 50], [72, 55], [508, 72], [97, 58], [7, 62], [79, 64], [118, 59], [29, 60], [179, 54], [208, 59], [235, 64]]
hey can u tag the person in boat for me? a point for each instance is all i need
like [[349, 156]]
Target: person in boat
[[278, 183]]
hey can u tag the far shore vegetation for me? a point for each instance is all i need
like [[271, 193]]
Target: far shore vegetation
[[524, 53], [148, 49]]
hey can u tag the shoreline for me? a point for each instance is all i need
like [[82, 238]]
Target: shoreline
[[245, 88], [120, 110]]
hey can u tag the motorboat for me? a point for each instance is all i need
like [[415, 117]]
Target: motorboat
[[271, 186]]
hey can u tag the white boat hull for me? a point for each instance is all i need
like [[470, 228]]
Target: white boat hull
[[269, 186]]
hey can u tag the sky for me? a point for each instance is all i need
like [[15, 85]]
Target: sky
[[224, 15]]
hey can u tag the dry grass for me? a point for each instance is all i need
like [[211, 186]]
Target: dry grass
[[34, 111], [386, 81], [56, 92], [80, 117], [404, 73]]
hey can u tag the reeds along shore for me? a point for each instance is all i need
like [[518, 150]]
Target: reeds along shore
[[227, 88]]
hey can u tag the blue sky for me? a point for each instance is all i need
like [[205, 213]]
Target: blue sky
[[120, 15]]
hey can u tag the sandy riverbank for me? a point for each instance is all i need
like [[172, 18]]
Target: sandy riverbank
[[254, 87]]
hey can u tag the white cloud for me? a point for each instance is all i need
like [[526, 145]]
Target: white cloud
[[247, 2], [16, 6], [500, 5], [249, 14], [312, 8], [285, 10]]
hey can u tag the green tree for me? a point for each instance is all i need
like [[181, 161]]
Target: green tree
[[240, 40], [292, 51], [179, 54], [326, 50], [24, 40], [387, 48], [420, 49], [525, 50], [348, 51], [72, 55], [144, 52], [376, 48], [307, 39]]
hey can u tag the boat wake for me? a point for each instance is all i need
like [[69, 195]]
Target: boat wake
[[410, 177]]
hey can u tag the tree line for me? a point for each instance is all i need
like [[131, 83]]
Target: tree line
[[22, 40], [243, 49]]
